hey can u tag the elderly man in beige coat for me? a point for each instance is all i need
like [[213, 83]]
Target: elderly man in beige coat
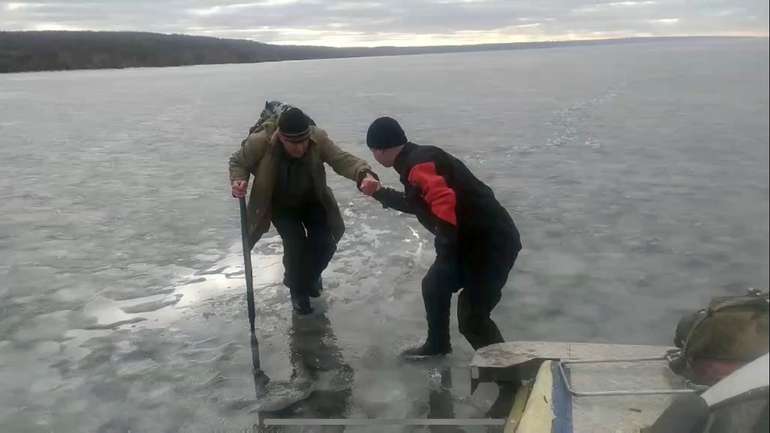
[[289, 189]]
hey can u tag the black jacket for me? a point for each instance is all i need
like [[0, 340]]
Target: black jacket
[[449, 201]]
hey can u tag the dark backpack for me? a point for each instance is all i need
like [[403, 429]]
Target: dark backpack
[[732, 331], [268, 118]]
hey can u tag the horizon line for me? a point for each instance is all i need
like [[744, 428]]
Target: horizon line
[[735, 35]]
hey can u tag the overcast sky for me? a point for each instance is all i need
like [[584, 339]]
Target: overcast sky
[[395, 22]]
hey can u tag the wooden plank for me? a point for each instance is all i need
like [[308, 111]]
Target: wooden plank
[[519, 403], [512, 354], [538, 414]]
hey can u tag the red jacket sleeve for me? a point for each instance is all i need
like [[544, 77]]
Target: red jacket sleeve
[[440, 198]]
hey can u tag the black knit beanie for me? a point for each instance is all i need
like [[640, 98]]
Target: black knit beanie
[[384, 133], [294, 125]]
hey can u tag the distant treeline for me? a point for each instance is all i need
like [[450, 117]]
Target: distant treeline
[[53, 50]]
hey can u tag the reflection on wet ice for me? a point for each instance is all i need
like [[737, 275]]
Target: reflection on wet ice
[[321, 382]]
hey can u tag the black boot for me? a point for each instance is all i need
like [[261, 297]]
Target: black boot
[[437, 343], [427, 350], [317, 288], [300, 303]]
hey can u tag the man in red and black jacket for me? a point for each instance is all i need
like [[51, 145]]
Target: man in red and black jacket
[[476, 240]]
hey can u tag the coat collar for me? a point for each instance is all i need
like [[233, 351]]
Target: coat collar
[[400, 163]]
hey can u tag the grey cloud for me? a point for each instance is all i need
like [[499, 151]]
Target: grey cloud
[[378, 21]]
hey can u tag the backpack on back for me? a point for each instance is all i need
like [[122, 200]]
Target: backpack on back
[[268, 118]]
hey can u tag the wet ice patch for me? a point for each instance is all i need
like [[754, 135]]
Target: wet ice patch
[[128, 294], [50, 326], [279, 395], [150, 306], [114, 325]]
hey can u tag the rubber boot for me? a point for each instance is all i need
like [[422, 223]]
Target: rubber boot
[[427, 350], [317, 288], [300, 303]]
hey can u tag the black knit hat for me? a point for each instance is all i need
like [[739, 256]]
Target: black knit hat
[[294, 125], [385, 133]]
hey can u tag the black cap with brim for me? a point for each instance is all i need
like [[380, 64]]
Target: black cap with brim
[[294, 125]]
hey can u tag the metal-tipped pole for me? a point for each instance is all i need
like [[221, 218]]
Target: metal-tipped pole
[[247, 265]]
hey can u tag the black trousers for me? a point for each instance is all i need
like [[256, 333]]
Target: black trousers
[[482, 271], [308, 245]]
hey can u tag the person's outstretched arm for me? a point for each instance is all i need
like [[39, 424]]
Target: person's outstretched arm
[[343, 163], [390, 198]]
